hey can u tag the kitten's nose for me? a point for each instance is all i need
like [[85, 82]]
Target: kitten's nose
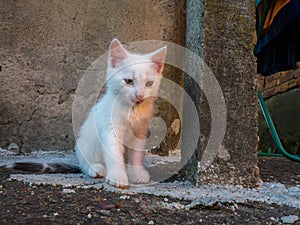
[[139, 96]]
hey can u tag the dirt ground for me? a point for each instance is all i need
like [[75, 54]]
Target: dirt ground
[[24, 204]]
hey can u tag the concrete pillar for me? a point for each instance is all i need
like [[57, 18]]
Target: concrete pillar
[[194, 40], [227, 50]]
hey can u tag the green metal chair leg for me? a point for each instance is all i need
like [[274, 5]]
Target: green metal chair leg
[[273, 130]]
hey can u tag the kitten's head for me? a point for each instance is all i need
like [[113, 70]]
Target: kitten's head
[[133, 78]]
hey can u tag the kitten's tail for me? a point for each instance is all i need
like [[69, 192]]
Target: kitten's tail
[[46, 167]]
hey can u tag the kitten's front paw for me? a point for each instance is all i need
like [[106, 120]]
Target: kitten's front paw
[[96, 170], [117, 178], [138, 175]]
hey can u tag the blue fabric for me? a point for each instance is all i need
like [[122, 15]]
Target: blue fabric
[[286, 16], [279, 48], [258, 2]]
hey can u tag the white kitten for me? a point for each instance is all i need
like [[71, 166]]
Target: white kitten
[[117, 126], [114, 133]]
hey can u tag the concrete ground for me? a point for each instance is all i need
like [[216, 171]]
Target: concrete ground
[[206, 195]]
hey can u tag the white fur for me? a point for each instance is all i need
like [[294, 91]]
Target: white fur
[[115, 129]]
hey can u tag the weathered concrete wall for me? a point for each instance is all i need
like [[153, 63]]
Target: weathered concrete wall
[[47, 45], [227, 49]]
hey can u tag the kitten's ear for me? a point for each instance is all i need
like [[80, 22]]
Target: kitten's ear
[[158, 57], [117, 53]]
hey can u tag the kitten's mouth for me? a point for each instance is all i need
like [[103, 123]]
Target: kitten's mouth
[[138, 101]]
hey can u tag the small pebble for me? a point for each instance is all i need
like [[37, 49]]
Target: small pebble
[[55, 214], [124, 197], [273, 218], [13, 147], [89, 216], [232, 208], [151, 222]]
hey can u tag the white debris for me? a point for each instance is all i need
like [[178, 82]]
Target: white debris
[[173, 205], [66, 180], [68, 190], [6, 152], [289, 219]]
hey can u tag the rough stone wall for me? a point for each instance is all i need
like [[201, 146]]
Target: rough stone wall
[[227, 49], [45, 46], [279, 82]]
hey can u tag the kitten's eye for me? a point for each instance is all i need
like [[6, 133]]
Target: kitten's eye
[[128, 81], [149, 83]]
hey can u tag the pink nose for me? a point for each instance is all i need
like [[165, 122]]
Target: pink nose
[[139, 96]]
